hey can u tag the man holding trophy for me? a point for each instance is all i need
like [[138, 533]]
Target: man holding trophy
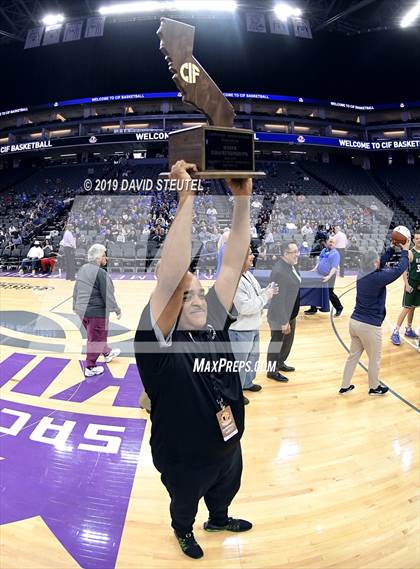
[[182, 345]]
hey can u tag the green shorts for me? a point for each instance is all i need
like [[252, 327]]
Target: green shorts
[[411, 299]]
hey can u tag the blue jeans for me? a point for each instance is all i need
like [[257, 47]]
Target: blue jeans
[[33, 262], [246, 348]]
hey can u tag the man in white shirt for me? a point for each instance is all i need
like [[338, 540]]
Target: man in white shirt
[[69, 245], [341, 242], [306, 230], [211, 214], [244, 334], [35, 253]]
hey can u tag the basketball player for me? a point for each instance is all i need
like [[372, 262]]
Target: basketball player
[[197, 413], [411, 298]]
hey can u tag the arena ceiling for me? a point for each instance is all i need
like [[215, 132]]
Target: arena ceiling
[[342, 16]]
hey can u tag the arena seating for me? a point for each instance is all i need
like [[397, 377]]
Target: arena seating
[[403, 184], [354, 180], [128, 223]]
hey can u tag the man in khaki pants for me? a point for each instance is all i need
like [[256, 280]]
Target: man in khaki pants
[[368, 315]]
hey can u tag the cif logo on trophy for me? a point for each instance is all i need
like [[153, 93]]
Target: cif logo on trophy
[[189, 72], [219, 150]]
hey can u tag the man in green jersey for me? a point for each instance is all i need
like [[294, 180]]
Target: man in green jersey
[[411, 298]]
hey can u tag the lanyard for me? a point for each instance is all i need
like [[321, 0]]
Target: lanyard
[[209, 378]]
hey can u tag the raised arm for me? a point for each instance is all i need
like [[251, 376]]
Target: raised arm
[[237, 245], [386, 256], [166, 300]]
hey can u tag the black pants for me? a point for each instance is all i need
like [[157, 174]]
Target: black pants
[[217, 483], [342, 260], [280, 346], [69, 254], [335, 301]]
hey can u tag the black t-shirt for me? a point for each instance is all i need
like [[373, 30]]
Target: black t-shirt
[[184, 399]]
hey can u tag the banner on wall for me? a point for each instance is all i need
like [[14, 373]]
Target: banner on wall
[[73, 31], [278, 26], [162, 135], [52, 34], [255, 22], [232, 95], [302, 28], [33, 37], [95, 27]]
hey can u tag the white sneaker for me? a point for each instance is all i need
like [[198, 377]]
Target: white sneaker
[[112, 354], [97, 370]]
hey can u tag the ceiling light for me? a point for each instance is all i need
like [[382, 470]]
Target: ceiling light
[[155, 6], [285, 11], [52, 19], [411, 16]]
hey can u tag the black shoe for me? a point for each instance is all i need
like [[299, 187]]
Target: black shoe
[[346, 389], [189, 546], [246, 400], [277, 377], [232, 525], [380, 390], [338, 313], [284, 367], [311, 311], [254, 387]]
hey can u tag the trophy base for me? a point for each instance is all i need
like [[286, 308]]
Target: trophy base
[[212, 175]]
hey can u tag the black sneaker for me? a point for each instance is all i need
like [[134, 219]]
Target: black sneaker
[[286, 368], [338, 312], [311, 311], [189, 546], [346, 389], [253, 387], [246, 400], [277, 377], [380, 390], [233, 524]]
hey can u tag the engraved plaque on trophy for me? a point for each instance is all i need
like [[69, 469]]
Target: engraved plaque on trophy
[[219, 150]]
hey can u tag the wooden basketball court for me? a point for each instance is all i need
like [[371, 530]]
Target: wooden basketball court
[[329, 481]]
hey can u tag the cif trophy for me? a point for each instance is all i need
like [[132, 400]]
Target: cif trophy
[[219, 150]]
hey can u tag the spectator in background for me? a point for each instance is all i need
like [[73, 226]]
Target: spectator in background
[[221, 249], [16, 240], [211, 214], [93, 300], [269, 239], [321, 235], [304, 254], [283, 310], [35, 253], [341, 242], [49, 259], [69, 247], [306, 230], [244, 333], [327, 267], [304, 249]]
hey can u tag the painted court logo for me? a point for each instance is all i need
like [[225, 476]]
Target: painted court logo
[[72, 469]]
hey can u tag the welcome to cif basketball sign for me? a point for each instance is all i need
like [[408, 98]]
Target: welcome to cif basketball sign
[[162, 136]]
